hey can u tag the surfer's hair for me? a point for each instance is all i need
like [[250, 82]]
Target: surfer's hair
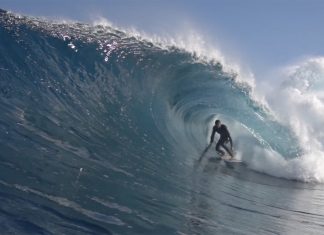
[[217, 121]]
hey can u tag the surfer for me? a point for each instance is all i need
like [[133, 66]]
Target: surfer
[[225, 136]]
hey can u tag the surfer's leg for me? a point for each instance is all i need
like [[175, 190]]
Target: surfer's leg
[[227, 150], [219, 143]]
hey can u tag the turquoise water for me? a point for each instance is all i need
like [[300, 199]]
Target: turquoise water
[[100, 132]]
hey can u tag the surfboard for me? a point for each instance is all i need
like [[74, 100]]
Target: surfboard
[[233, 160], [228, 159]]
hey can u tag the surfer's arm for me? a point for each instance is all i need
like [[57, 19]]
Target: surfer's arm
[[212, 136]]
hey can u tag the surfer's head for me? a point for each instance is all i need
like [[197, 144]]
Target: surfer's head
[[217, 123]]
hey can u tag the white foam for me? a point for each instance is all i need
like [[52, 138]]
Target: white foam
[[300, 106], [298, 103]]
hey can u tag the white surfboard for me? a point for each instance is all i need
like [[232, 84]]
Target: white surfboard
[[228, 159], [232, 160]]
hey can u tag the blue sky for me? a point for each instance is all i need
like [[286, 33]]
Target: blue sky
[[263, 34]]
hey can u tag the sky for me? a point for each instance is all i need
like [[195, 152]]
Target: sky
[[260, 34]]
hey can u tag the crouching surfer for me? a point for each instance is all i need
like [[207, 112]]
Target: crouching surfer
[[225, 136]]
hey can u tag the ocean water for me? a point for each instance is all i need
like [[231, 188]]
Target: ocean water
[[101, 130]]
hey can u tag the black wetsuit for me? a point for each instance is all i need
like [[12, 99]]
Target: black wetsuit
[[224, 137]]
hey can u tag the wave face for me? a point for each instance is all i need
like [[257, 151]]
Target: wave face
[[100, 131]]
